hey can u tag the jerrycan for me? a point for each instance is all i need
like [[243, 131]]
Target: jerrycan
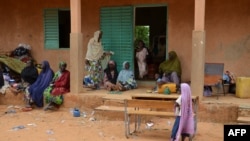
[[76, 113]]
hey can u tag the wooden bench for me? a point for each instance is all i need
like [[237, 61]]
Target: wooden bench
[[140, 107]]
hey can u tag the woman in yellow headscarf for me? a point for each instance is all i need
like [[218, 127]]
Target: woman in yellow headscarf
[[170, 69]]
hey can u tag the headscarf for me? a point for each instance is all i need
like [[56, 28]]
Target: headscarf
[[62, 63], [37, 88], [59, 73], [172, 65], [124, 64], [187, 120], [108, 72], [125, 74], [29, 73], [95, 49]]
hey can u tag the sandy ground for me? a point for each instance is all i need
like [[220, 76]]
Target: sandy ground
[[61, 125]]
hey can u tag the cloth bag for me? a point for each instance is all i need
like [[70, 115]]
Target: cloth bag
[[170, 86]]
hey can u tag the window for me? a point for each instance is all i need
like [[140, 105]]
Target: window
[[56, 28]]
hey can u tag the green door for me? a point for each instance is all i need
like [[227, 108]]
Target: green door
[[117, 26]]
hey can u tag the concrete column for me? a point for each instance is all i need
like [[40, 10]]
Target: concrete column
[[199, 15], [198, 59], [76, 53], [198, 49]]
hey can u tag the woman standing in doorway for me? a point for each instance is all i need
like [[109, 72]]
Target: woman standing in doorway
[[141, 56]]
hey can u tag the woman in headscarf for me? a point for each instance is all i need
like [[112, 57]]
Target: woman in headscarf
[[34, 93], [30, 73], [184, 122], [95, 54], [171, 69], [28, 76], [141, 56], [110, 76], [126, 80], [59, 86]]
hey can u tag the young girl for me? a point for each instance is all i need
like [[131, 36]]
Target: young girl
[[184, 122]]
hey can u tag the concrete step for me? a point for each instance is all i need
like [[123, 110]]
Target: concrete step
[[243, 114], [243, 119], [244, 111]]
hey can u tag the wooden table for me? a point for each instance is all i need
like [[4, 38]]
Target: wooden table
[[195, 100], [150, 96]]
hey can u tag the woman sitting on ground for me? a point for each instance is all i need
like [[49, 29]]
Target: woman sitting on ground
[[34, 94], [171, 69], [59, 86], [30, 73], [28, 76], [110, 76], [126, 80]]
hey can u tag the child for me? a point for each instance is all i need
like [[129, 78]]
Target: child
[[184, 122], [158, 80]]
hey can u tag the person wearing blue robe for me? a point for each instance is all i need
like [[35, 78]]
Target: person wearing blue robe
[[42, 82], [126, 79]]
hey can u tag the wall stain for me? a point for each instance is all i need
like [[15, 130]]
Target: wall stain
[[238, 49]]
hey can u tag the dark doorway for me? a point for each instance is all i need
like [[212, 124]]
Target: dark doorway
[[155, 18]]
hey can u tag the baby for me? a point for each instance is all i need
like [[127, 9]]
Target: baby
[[159, 81]]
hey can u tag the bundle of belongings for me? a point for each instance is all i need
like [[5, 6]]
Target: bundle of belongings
[[12, 65], [10, 71], [22, 52]]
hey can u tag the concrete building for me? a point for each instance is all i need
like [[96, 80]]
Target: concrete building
[[199, 31]]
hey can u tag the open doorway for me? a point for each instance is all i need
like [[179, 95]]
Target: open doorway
[[154, 21]]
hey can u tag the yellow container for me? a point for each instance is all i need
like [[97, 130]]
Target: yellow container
[[171, 86], [243, 87]]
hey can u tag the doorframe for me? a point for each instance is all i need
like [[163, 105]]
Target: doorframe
[[166, 25], [153, 5]]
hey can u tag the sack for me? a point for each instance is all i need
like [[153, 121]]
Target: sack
[[170, 86]]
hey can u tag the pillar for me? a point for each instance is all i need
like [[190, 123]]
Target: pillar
[[76, 53], [198, 49]]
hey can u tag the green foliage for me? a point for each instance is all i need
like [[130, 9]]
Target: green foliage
[[142, 33]]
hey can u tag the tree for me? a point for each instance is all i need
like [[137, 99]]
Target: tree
[[142, 33]]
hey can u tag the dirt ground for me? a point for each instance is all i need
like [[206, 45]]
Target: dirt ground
[[61, 125]]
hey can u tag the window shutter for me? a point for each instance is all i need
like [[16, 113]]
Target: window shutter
[[117, 26], [51, 33]]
